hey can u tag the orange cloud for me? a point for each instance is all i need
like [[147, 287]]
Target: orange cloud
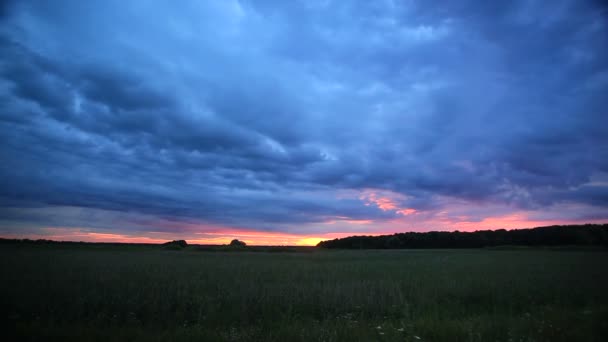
[[517, 220], [386, 201], [511, 221], [407, 211], [75, 234]]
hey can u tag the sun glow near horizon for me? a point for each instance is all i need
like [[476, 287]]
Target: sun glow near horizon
[[266, 238]]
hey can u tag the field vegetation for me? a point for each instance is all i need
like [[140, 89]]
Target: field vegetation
[[150, 293]]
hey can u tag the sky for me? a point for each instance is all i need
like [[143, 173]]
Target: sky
[[290, 122]]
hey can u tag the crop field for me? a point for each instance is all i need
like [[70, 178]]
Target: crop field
[[146, 293]]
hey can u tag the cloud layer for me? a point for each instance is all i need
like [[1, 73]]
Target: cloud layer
[[305, 119]]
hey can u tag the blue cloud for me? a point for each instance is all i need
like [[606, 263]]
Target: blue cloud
[[258, 114]]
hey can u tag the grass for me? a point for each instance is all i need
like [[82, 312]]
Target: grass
[[145, 293]]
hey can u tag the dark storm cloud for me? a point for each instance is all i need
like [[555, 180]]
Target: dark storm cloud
[[259, 113]]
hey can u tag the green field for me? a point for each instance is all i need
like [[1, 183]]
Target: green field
[[145, 293]]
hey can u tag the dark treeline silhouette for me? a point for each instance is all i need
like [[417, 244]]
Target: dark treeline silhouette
[[579, 235]]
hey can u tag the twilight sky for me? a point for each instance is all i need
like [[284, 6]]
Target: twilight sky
[[288, 122]]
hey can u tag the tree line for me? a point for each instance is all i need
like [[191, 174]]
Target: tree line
[[571, 235]]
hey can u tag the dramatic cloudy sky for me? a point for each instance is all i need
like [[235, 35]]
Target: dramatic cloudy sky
[[293, 121]]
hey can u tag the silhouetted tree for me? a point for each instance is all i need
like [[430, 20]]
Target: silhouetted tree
[[175, 244], [237, 243]]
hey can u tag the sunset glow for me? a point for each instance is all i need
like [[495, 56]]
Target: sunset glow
[[254, 238]]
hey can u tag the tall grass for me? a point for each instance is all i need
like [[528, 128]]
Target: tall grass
[[147, 294]]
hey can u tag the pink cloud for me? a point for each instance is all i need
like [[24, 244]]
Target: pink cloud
[[386, 201]]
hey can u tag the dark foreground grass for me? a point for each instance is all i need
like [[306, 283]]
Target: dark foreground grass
[[55, 292]]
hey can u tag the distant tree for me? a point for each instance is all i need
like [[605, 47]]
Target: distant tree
[[175, 244], [237, 243]]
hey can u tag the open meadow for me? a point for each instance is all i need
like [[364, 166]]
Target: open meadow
[[145, 293]]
